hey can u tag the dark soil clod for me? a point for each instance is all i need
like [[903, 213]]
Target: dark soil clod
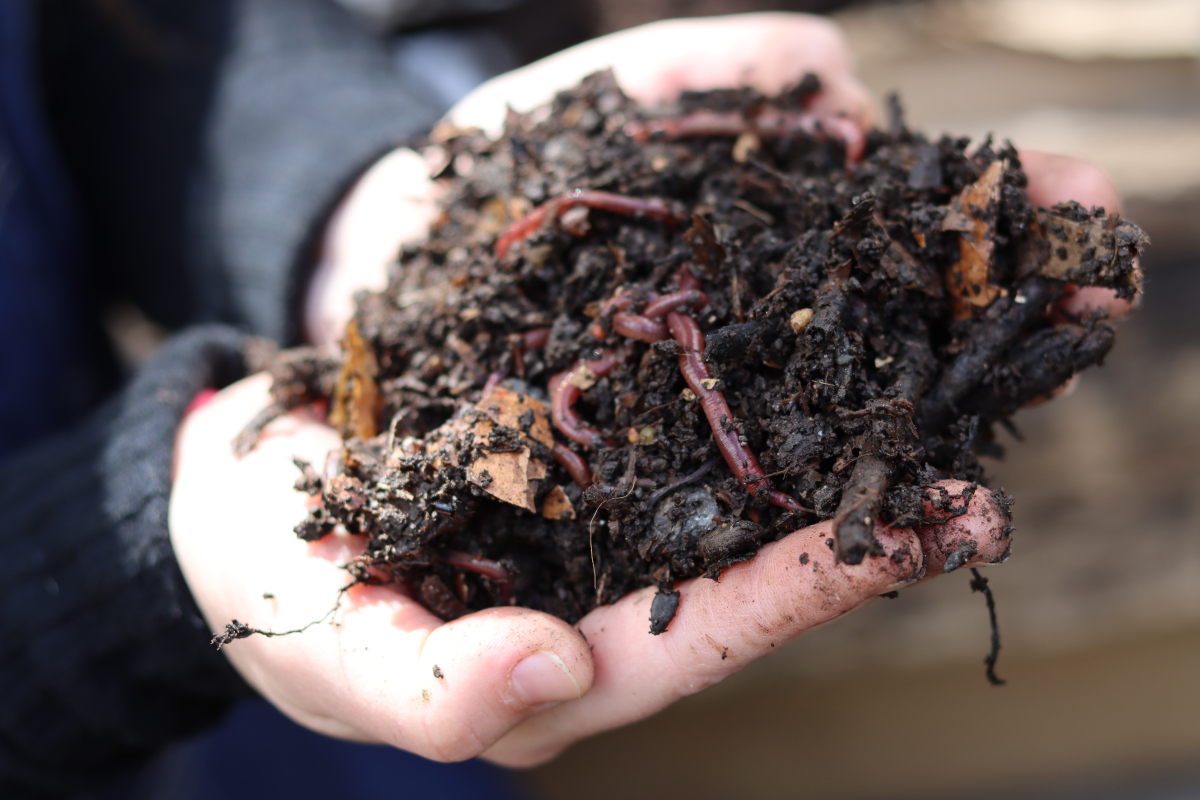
[[636, 347], [662, 611]]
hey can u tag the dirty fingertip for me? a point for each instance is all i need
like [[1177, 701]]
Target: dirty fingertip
[[972, 526], [903, 558]]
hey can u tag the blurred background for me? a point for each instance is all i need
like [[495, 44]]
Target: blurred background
[[1100, 605]]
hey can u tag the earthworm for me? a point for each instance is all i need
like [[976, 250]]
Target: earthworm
[[672, 302], [574, 464], [646, 327], [687, 279], [767, 124], [620, 302], [591, 198], [639, 326], [534, 338], [563, 394], [743, 463], [492, 570]]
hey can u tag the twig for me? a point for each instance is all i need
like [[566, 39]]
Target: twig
[[695, 476]]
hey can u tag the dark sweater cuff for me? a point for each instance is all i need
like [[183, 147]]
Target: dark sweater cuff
[[105, 656], [308, 98]]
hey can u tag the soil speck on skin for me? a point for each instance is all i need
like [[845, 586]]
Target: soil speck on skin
[[437, 672]]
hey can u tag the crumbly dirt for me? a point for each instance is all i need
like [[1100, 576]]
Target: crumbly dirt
[[867, 321]]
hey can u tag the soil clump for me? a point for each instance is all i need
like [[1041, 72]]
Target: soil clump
[[635, 347]]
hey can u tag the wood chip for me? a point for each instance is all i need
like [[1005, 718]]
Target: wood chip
[[557, 505], [973, 215], [356, 399], [800, 319], [1099, 250], [583, 378], [509, 408], [746, 144]]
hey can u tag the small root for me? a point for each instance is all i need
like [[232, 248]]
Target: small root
[[980, 584]]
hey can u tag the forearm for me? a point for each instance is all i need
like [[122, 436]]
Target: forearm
[[104, 654]]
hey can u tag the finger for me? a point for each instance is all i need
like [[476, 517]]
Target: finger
[[392, 204], [653, 63], [973, 528], [371, 675], [1056, 179], [790, 586], [393, 673]]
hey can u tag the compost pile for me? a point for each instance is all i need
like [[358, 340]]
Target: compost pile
[[637, 346]]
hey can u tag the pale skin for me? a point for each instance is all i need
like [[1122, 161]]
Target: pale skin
[[518, 686]]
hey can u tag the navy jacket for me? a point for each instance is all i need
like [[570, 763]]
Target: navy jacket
[[179, 155]]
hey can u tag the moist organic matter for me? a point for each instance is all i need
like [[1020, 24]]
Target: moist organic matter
[[636, 346]]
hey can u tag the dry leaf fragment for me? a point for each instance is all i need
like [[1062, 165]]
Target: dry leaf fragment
[[1067, 243], [502, 425], [557, 505], [505, 476], [493, 217], [583, 378], [517, 410], [800, 319], [746, 144], [973, 215], [356, 399]]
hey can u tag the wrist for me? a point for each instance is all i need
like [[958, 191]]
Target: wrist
[[391, 204]]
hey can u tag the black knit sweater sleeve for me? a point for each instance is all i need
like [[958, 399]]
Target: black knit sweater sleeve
[[105, 656], [208, 149]]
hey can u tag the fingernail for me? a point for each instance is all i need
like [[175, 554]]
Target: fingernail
[[544, 678]]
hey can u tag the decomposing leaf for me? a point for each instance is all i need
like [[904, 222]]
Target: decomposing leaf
[[557, 505], [503, 475], [973, 215], [583, 378], [1069, 244], [520, 411], [356, 399], [503, 427]]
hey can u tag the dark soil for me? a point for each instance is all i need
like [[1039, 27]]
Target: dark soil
[[867, 323]]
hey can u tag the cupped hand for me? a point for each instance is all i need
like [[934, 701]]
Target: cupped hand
[[1056, 179], [517, 685], [513, 684]]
